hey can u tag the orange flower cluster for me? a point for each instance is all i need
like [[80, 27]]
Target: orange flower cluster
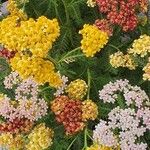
[[71, 113]]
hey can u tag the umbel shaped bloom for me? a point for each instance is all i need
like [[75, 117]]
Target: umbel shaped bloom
[[77, 89], [29, 109], [118, 59], [129, 130], [89, 110], [72, 113], [41, 70], [40, 138], [35, 37], [93, 40], [71, 117], [133, 95], [130, 123], [140, 46], [122, 13]]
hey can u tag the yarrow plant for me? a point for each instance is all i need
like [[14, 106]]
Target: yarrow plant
[[55, 56], [73, 113], [126, 123]]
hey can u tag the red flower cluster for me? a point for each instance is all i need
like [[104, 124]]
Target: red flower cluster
[[7, 54], [16, 126], [121, 12], [71, 114]]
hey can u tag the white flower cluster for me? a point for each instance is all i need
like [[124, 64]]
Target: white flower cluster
[[132, 94], [123, 128], [126, 124]]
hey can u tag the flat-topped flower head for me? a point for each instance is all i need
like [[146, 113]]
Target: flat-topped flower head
[[93, 40], [77, 89]]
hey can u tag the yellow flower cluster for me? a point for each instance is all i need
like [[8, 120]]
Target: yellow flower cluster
[[91, 3], [40, 138], [77, 89], [146, 69], [15, 11], [118, 59], [93, 40], [41, 70], [12, 142], [98, 147], [89, 110], [36, 37], [140, 46]]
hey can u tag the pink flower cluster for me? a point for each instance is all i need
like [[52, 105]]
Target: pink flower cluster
[[132, 94], [29, 109], [123, 128], [128, 123], [27, 103]]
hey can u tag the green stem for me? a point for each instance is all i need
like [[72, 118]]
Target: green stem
[[72, 143], [70, 52], [89, 83], [113, 46], [85, 139]]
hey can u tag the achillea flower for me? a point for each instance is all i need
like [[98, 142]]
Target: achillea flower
[[40, 138], [71, 117], [103, 135], [32, 110], [122, 13], [89, 110], [29, 36], [140, 46], [129, 128], [133, 95], [29, 109], [41, 70], [146, 69], [118, 59], [77, 89], [93, 40], [91, 3]]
